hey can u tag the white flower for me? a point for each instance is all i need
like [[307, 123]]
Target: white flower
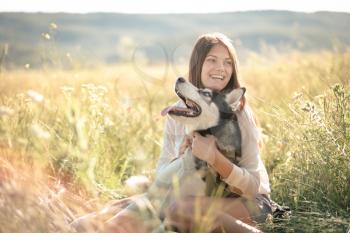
[[102, 89], [46, 36], [137, 184], [80, 129], [108, 122], [125, 101], [88, 86], [67, 89], [37, 97], [5, 111], [37, 131], [53, 26]]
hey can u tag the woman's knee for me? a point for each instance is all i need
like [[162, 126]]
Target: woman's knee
[[126, 222], [181, 207]]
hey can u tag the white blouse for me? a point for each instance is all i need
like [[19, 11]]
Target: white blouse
[[249, 176]]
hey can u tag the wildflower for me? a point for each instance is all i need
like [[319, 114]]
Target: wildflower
[[53, 26], [5, 111], [37, 97], [85, 85], [308, 107], [80, 129], [5, 49], [105, 105], [102, 89], [337, 88], [88, 86], [46, 36], [91, 168], [136, 184], [19, 213], [319, 96], [67, 89], [69, 57], [125, 101], [20, 96], [297, 95], [94, 97], [37, 131], [108, 122]]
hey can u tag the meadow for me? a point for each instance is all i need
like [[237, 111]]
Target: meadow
[[70, 138]]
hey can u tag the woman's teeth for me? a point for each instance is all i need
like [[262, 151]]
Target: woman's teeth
[[217, 77]]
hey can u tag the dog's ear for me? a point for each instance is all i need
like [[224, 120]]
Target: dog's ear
[[234, 98]]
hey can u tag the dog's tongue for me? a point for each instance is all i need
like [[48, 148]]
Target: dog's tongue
[[166, 110]]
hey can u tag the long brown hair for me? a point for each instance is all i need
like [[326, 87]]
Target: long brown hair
[[200, 51]]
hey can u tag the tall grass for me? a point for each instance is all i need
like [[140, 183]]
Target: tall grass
[[305, 121], [96, 134], [88, 130], [308, 155]]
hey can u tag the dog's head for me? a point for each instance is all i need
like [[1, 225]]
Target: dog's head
[[203, 108]]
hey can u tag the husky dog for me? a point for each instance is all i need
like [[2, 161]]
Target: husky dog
[[206, 112]]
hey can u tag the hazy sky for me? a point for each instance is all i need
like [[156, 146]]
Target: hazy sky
[[172, 6]]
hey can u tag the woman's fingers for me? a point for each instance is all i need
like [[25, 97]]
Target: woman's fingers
[[187, 142]]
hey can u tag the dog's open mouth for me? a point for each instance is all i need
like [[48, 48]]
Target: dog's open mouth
[[192, 109]]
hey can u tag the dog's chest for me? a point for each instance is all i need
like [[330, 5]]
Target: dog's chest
[[228, 139]]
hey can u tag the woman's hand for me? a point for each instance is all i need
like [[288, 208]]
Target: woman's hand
[[187, 142], [204, 148]]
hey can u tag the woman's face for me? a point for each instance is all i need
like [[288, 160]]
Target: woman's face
[[217, 68]]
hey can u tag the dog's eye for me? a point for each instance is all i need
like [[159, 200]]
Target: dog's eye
[[205, 93]]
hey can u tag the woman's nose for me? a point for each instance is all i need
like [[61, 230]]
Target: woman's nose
[[220, 66]]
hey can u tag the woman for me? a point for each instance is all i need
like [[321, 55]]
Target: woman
[[214, 65]]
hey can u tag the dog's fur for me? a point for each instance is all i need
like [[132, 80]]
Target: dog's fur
[[207, 112]]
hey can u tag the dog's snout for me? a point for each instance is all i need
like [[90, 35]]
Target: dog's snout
[[180, 80]]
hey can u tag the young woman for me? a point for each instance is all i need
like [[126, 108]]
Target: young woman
[[214, 65]]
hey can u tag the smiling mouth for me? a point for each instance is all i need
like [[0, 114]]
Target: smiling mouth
[[217, 77]]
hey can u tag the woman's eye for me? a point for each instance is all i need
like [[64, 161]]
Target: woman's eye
[[211, 59], [228, 62]]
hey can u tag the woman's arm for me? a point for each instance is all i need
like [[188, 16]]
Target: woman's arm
[[168, 148], [243, 180], [246, 178]]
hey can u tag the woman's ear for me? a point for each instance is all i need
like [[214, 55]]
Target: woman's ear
[[234, 98]]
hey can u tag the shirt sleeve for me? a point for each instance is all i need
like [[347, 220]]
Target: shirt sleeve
[[168, 148], [246, 176]]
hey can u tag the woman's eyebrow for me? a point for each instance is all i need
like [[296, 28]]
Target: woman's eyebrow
[[227, 58]]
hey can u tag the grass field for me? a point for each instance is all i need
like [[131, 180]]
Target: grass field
[[70, 138]]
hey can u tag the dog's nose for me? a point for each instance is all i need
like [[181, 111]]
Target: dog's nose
[[180, 80]]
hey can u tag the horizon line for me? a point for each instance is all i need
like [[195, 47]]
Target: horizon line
[[168, 13]]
